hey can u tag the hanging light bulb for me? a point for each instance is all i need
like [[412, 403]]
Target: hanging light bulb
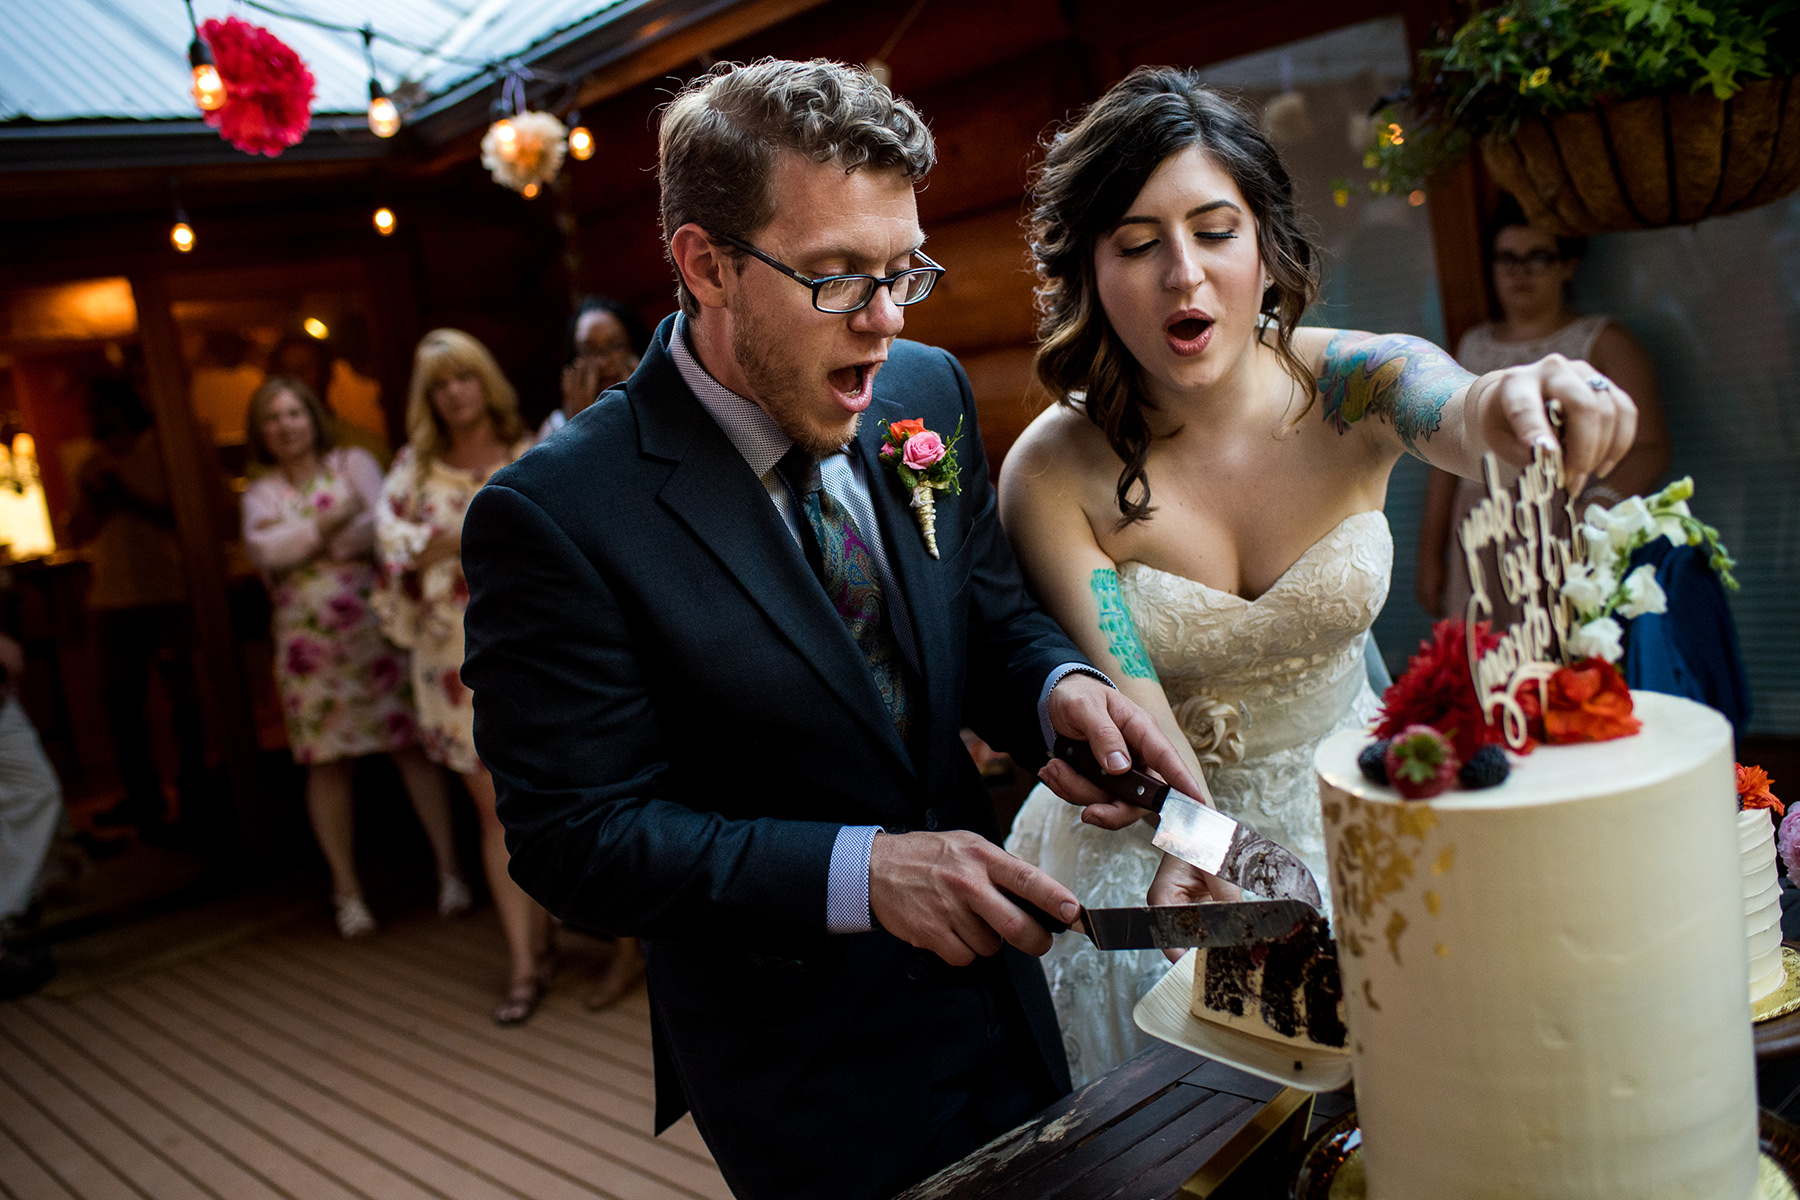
[[181, 234], [581, 139], [384, 221], [507, 139], [384, 118], [208, 89]]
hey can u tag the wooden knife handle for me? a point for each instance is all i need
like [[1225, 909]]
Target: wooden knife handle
[[1133, 786], [1037, 914]]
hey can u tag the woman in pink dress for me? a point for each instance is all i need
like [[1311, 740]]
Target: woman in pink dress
[[462, 424], [309, 524]]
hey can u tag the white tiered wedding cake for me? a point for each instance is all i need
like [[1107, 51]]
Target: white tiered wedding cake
[[1545, 980]]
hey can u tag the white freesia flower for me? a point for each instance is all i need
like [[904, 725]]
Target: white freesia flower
[[1643, 594], [1598, 639], [1597, 547], [1589, 585], [1628, 523], [1669, 524]]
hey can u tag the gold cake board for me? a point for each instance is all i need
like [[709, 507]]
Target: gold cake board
[[1331, 1167], [1784, 999]]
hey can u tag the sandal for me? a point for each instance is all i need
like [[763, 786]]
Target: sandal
[[453, 897], [518, 1002], [354, 920]]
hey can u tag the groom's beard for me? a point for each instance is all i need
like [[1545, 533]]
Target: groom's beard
[[782, 387]]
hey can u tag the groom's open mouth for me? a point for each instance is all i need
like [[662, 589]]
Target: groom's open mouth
[[1188, 331], [854, 385]]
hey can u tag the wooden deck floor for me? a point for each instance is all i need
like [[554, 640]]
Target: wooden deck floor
[[293, 1065]]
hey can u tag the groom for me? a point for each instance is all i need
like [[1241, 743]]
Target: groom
[[720, 679]]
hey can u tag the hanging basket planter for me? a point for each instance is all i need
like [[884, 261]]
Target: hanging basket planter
[[1654, 161]]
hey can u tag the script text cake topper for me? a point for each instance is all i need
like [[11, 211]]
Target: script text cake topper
[[1525, 534]]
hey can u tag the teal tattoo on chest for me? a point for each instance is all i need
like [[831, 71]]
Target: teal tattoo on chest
[[1115, 625], [1397, 378]]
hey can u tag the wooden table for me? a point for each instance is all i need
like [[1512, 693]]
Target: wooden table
[[1141, 1131]]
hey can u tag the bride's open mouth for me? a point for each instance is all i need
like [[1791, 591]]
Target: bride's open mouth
[[1188, 332]]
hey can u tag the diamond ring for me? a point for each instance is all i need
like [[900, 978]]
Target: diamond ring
[[1600, 383]]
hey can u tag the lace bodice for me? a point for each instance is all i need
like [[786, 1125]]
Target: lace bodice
[[1256, 685]]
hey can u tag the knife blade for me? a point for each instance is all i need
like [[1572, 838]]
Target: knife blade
[[1156, 926], [1201, 835]]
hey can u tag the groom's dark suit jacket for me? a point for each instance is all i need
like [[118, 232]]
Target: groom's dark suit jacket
[[678, 723]]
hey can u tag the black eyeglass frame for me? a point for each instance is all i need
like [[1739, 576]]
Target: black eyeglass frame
[[931, 269], [1531, 262]]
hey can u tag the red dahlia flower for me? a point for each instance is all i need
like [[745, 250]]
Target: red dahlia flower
[[1437, 690]]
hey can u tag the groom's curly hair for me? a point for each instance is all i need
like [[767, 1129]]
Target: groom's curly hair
[[1095, 167], [720, 136]]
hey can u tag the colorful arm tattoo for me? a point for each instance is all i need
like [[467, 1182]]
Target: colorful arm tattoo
[[1115, 624], [1403, 380]]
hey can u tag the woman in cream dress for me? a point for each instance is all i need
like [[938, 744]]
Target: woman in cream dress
[[462, 422]]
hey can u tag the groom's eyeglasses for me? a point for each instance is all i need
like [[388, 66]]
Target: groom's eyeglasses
[[849, 293]]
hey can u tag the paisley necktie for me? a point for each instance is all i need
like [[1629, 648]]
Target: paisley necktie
[[845, 566]]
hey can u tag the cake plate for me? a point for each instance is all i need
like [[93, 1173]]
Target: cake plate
[[1776, 1016], [1165, 1012], [1331, 1165]]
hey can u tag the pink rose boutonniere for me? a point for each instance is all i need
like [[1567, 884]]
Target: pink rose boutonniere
[[925, 463]]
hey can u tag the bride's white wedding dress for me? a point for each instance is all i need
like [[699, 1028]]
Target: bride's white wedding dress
[[1256, 685]]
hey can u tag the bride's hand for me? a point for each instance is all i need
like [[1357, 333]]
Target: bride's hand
[[1120, 733], [1177, 882], [1599, 420]]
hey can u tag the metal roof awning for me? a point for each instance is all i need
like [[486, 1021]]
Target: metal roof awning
[[99, 84]]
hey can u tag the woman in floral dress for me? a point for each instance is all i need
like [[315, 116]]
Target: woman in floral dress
[[462, 423], [309, 524]]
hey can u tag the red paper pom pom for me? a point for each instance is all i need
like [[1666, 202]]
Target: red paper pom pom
[[268, 89]]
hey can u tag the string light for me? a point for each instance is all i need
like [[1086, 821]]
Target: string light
[[181, 234], [208, 89], [507, 139], [529, 191], [384, 221], [384, 117], [581, 139], [315, 328]]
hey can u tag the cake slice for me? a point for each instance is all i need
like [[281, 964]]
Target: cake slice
[[1284, 990]]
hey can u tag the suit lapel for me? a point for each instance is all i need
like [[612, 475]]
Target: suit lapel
[[712, 492], [919, 577]]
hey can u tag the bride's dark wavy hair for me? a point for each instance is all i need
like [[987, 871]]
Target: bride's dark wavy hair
[[1094, 169]]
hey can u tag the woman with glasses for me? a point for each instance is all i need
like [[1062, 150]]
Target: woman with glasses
[[1202, 509], [606, 340], [1531, 273]]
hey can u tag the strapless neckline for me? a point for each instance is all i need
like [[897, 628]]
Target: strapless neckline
[[1133, 566]]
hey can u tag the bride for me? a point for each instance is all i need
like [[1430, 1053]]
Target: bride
[[1202, 508]]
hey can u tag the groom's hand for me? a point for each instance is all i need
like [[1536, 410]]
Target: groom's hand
[[1120, 733], [946, 893]]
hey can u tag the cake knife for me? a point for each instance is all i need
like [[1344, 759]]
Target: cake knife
[[1201, 835], [1160, 926]]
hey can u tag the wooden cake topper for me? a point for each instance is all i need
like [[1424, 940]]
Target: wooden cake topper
[[1523, 537]]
